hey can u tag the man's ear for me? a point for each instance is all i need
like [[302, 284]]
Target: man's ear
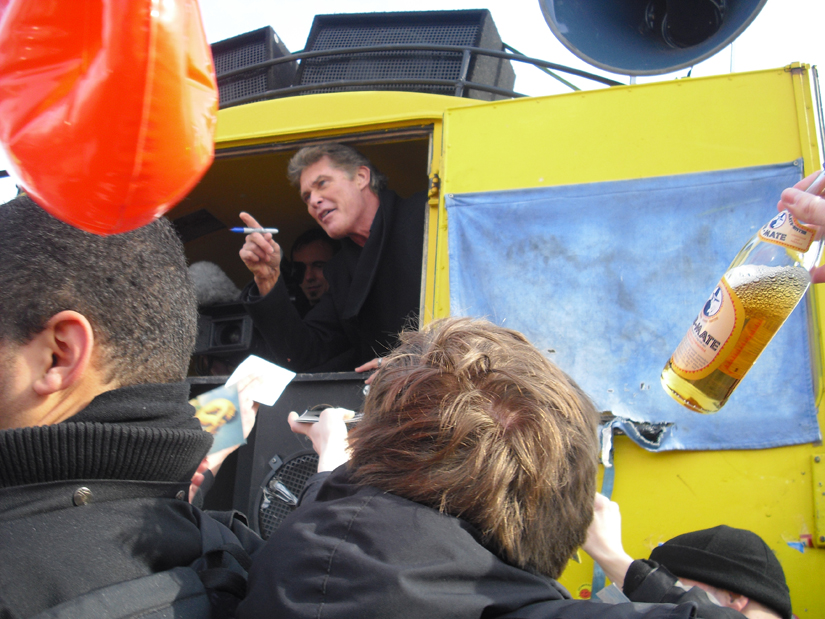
[[363, 175], [737, 601], [65, 346]]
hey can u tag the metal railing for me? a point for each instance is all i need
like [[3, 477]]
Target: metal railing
[[459, 85]]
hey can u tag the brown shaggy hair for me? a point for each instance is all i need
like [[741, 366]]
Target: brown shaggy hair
[[469, 418], [342, 157]]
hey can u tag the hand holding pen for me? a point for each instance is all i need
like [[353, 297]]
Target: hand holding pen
[[261, 254]]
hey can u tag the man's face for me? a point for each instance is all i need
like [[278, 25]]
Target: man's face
[[313, 256], [720, 596], [13, 377], [334, 199], [6, 381]]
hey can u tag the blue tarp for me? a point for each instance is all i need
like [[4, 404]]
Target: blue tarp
[[605, 278]]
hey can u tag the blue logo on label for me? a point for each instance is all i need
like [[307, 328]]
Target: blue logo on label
[[714, 303], [779, 220]]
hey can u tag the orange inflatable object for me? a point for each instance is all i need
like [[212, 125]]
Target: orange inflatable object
[[107, 107]]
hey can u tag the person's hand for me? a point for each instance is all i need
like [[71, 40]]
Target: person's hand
[[368, 367], [808, 208], [197, 479], [249, 411], [604, 540], [261, 255], [328, 436]]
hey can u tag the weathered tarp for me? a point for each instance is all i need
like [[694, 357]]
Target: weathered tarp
[[606, 278]]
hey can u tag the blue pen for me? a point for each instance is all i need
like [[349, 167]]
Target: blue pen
[[251, 230]]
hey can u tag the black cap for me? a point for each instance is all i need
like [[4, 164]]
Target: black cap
[[733, 559]]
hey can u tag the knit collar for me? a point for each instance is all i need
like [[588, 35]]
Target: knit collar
[[142, 432]]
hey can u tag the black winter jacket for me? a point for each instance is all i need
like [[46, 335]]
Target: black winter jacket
[[374, 292], [99, 499], [355, 551]]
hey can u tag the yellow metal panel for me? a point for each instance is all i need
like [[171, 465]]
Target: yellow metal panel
[[657, 129], [818, 472], [805, 115], [334, 114], [676, 127], [766, 491], [432, 262], [807, 140]]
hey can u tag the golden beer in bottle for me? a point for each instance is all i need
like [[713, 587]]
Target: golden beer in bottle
[[760, 289]]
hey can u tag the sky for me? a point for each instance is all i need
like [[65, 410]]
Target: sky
[[785, 31]]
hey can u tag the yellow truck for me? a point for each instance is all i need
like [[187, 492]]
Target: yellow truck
[[454, 146]]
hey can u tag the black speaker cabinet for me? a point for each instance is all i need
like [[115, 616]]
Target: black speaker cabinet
[[469, 28], [265, 478], [245, 50]]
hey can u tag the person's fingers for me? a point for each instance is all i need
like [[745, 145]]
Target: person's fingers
[[346, 414], [808, 180], [197, 481], [249, 220], [804, 206], [261, 252], [254, 254], [262, 244], [818, 275], [296, 426], [203, 466], [373, 364]]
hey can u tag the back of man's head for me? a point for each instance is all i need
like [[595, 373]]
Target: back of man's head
[[341, 156], [133, 288], [735, 560], [469, 418]]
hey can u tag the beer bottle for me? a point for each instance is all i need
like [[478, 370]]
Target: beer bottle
[[760, 289]]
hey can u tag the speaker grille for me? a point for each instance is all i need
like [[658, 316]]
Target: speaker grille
[[472, 28], [293, 474], [395, 65], [246, 50], [243, 56], [249, 54]]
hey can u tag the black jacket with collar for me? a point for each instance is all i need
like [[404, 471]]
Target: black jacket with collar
[[374, 292], [356, 551], [99, 499]]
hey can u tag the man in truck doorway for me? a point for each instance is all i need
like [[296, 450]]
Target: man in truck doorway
[[374, 281]]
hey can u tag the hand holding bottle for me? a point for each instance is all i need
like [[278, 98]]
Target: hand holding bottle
[[761, 287], [807, 207]]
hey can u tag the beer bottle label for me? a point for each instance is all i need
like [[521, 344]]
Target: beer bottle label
[[785, 231], [712, 335]]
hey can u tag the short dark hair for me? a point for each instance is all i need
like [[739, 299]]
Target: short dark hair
[[134, 289], [469, 418], [342, 157], [310, 236]]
